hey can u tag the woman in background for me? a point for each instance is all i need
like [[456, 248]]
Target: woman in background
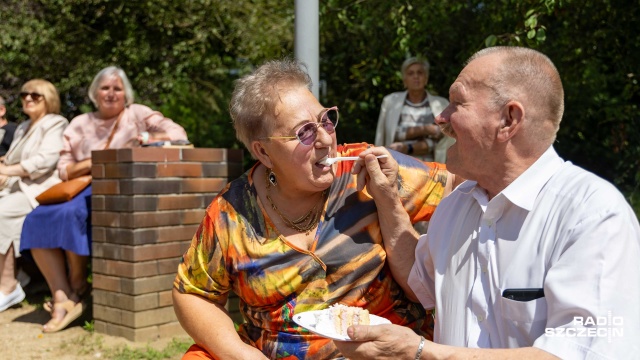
[[59, 235], [28, 168]]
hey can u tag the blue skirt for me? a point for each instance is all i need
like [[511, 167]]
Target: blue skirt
[[66, 225]]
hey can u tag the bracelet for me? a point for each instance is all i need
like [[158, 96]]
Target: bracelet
[[420, 347]]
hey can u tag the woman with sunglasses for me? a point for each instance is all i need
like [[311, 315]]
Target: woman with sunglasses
[[61, 244], [28, 168], [292, 234]]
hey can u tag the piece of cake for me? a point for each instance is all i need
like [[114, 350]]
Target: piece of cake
[[339, 317]]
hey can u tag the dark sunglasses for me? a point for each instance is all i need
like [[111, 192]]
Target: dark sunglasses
[[34, 96], [308, 132]]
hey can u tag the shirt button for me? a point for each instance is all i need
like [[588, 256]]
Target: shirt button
[[484, 269], [480, 318]]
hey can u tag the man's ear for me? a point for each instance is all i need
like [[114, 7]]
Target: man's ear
[[511, 121], [261, 153]]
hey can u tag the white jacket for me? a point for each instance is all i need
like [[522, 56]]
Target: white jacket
[[390, 117]]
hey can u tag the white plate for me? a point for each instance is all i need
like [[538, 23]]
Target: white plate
[[308, 321]]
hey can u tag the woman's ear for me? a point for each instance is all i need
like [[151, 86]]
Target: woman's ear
[[511, 121], [261, 153]]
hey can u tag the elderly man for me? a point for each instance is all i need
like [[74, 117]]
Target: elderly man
[[532, 257]]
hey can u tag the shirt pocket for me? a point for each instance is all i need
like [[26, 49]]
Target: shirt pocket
[[523, 321]]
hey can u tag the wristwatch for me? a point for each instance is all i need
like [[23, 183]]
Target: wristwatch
[[409, 149]]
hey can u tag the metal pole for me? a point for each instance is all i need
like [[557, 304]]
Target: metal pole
[[307, 39]]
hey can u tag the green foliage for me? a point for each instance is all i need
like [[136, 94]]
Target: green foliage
[[89, 326], [181, 53], [182, 57]]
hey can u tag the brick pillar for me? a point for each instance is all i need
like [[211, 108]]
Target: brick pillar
[[147, 204]]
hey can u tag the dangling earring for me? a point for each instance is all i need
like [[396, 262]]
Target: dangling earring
[[271, 176]]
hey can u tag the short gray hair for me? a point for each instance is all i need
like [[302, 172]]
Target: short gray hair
[[415, 60], [108, 71], [524, 72], [255, 97], [2, 101]]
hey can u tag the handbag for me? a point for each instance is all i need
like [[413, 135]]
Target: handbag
[[67, 190], [64, 191]]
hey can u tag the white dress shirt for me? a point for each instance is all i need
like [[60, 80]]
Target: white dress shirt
[[556, 227]]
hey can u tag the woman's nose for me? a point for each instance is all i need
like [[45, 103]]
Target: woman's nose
[[323, 137]]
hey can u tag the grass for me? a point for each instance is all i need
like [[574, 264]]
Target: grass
[[175, 349], [93, 344]]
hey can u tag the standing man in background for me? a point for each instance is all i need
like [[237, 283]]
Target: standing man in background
[[407, 118]]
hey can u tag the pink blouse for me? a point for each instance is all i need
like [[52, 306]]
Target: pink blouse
[[86, 133]]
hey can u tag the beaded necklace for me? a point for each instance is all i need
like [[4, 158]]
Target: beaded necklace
[[306, 222]]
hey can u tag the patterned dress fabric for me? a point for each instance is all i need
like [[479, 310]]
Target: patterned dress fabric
[[237, 248]]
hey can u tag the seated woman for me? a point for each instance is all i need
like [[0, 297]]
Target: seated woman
[[59, 235], [292, 235], [28, 168]]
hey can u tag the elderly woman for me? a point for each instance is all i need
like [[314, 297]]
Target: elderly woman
[[292, 235], [59, 235], [407, 118], [28, 168]]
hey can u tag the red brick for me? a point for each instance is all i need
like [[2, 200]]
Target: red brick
[[147, 285], [139, 253], [97, 171], [128, 170], [151, 219], [105, 282], [176, 233], [203, 185], [105, 218], [105, 187], [179, 170], [104, 156], [126, 302], [150, 186], [165, 298], [124, 268], [98, 234], [97, 202], [204, 155], [192, 216], [168, 266], [148, 154], [176, 202]]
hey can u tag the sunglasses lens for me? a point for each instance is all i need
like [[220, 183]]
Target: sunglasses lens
[[331, 115], [34, 96], [307, 133]]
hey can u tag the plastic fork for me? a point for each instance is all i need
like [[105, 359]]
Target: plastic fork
[[331, 161]]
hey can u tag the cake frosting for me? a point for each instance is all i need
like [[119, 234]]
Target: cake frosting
[[338, 317]]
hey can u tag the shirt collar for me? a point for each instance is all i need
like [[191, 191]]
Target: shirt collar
[[524, 190]]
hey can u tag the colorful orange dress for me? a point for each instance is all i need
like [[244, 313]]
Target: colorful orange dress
[[237, 248]]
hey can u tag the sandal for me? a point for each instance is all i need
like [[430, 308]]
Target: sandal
[[48, 306], [74, 311], [82, 294]]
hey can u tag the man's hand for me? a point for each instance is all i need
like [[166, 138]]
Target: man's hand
[[378, 175], [379, 342]]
